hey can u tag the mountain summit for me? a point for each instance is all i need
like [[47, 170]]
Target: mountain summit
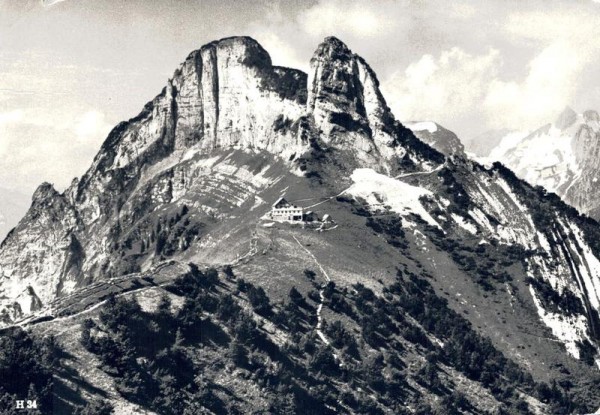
[[344, 247]]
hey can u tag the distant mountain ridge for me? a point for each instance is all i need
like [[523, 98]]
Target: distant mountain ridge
[[482, 144], [561, 156], [440, 138]]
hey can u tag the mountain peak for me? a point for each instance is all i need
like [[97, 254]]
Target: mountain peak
[[225, 98], [190, 182], [236, 40], [566, 118], [246, 49], [332, 48], [44, 191], [345, 102]]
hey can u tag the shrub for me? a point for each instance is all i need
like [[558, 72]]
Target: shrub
[[259, 300]]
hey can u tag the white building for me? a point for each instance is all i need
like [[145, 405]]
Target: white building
[[283, 210]]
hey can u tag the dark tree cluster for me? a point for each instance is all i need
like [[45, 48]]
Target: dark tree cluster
[[407, 139], [391, 226], [26, 370], [485, 263], [361, 373], [455, 190], [566, 302], [467, 351], [143, 351]]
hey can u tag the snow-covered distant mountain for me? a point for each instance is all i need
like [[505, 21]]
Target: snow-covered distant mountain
[[482, 144], [561, 156]]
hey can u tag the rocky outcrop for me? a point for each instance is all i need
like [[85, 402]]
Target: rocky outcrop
[[225, 95], [34, 253], [348, 109]]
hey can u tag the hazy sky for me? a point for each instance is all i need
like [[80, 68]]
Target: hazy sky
[[72, 69]]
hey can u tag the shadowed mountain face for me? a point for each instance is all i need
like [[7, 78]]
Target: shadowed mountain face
[[191, 179]]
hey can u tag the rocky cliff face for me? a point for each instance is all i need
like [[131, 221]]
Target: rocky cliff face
[[582, 191], [191, 176], [226, 95], [561, 156], [346, 104]]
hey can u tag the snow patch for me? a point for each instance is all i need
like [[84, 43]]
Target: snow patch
[[422, 126], [257, 202], [543, 241], [508, 142], [568, 329], [589, 269], [481, 219], [546, 157], [379, 190], [464, 224]]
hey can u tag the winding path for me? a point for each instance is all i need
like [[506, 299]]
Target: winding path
[[327, 200], [438, 168], [321, 295]]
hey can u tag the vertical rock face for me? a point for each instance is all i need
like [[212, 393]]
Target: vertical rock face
[[582, 191], [346, 104], [224, 95], [334, 84]]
